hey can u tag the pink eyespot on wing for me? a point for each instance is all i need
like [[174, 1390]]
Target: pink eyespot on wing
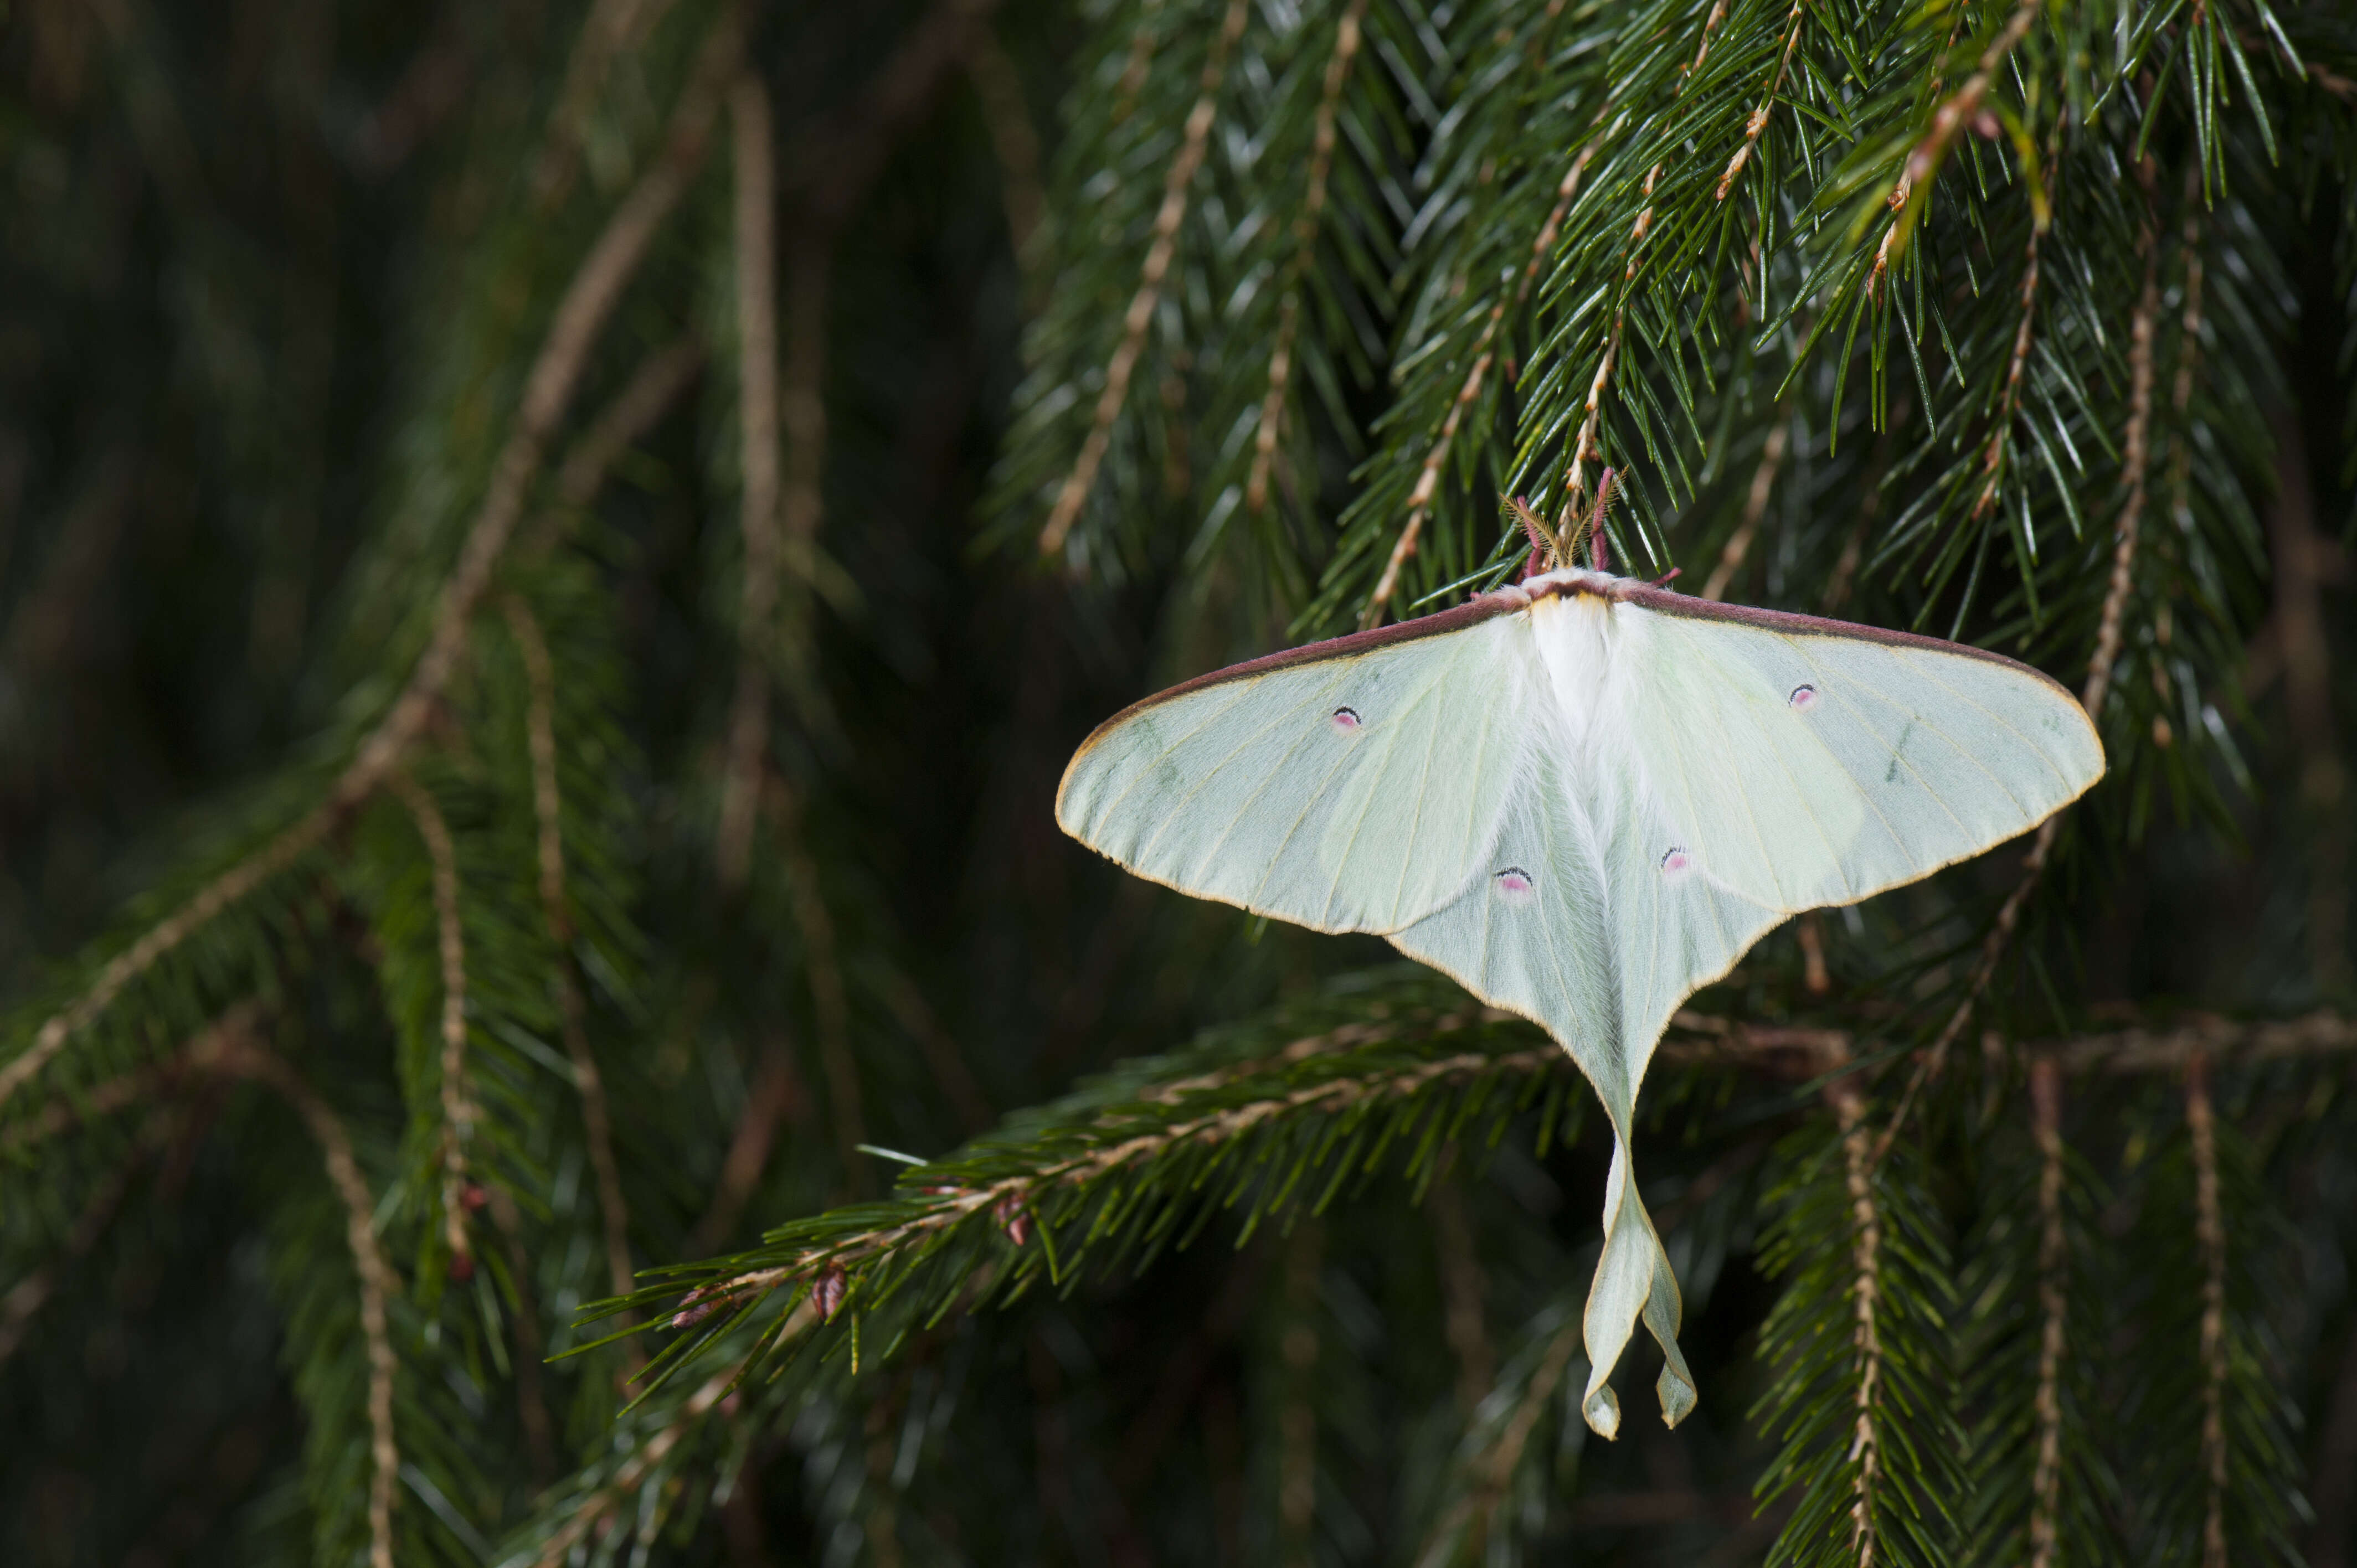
[[1677, 860], [1346, 719], [1514, 885], [1803, 698]]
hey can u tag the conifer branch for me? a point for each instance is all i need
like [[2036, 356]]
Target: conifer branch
[[598, 1509], [1158, 256], [121, 1092], [1150, 1145], [1133, 70], [1304, 230], [2171, 1050], [1585, 445], [229, 1049], [2137, 445], [572, 1013], [942, 1207], [2210, 1236], [228, 889], [758, 410], [1858, 1157], [587, 302], [1758, 121], [2053, 1279], [458, 1106], [2000, 440], [1961, 109], [1427, 479]]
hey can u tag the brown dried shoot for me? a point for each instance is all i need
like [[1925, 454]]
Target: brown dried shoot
[[2053, 1279], [1755, 507], [757, 365], [2210, 1236]]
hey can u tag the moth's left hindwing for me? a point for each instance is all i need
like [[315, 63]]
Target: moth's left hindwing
[[1344, 790]]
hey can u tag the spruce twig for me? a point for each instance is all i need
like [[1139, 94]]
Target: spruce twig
[[1427, 478], [2138, 444], [1175, 187], [572, 1011], [459, 1112], [1866, 1444], [589, 1513], [2210, 1236], [1305, 229], [231, 1048], [2054, 1278], [1758, 121]]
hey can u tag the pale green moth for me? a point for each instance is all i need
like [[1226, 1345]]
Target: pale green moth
[[1582, 798]]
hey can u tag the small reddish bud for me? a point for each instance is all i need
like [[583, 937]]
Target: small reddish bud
[[1009, 1212], [827, 1291], [472, 1197], [462, 1266], [1985, 126], [694, 1308]]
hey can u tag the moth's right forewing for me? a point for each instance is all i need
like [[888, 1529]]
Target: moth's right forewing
[[1356, 790], [1813, 763]]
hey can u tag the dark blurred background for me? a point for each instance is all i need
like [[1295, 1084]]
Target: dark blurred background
[[252, 264]]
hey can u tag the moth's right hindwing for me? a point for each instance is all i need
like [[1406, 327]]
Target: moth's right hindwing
[[1354, 792]]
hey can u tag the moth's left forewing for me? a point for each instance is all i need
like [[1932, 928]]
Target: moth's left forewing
[[1355, 785]]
